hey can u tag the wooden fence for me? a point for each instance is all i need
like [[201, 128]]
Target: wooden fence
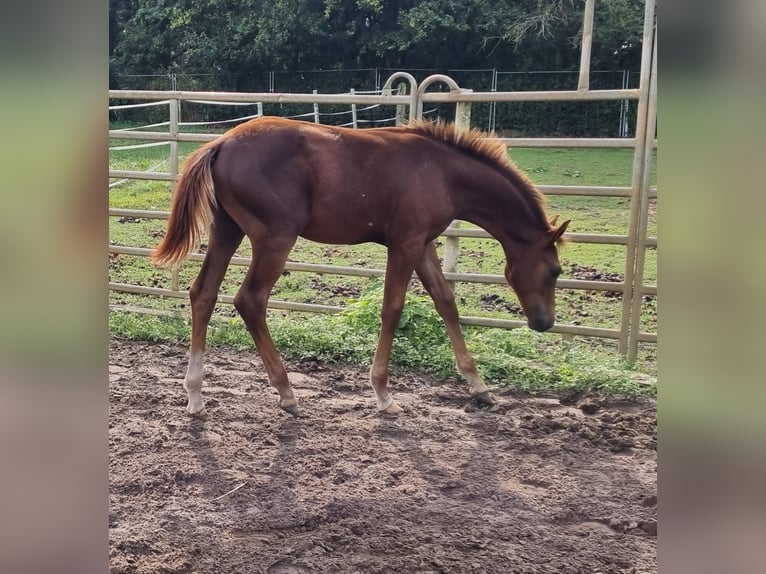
[[409, 100]]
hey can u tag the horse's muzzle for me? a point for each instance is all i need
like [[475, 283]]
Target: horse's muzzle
[[540, 324]]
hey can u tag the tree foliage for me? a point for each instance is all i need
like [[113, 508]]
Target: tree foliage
[[248, 38]]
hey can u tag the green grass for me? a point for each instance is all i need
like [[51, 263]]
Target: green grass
[[520, 357], [576, 166], [527, 360]]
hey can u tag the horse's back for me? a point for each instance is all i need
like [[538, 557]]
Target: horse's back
[[329, 184]]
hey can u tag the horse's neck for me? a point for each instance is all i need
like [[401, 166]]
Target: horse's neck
[[484, 196]]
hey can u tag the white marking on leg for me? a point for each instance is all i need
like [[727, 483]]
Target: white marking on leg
[[386, 403], [287, 403], [379, 382], [383, 404], [193, 383], [467, 368]]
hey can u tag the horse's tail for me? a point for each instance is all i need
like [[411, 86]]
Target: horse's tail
[[192, 211]]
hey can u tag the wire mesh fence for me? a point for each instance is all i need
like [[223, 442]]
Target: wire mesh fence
[[512, 119]]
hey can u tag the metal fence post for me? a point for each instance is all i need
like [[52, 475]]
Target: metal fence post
[[353, 111], [643, 213], [587, 40], [174, 109], [493, 105], [316, 109], [637, 178]]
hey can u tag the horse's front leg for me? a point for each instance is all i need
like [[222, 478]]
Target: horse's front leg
[[430, 274], [401, 264]]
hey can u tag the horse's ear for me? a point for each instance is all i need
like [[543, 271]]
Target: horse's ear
[[558, 233], [552, 221]]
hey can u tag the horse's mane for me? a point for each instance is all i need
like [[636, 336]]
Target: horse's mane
[[481, 146]]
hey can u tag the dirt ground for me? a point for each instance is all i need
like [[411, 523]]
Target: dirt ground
[[555, 484]]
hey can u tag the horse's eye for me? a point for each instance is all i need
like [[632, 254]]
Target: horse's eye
[[555, 272]]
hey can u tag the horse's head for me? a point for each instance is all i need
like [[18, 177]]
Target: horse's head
[[532, 274]]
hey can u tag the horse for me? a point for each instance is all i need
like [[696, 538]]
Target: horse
[[276, 179]]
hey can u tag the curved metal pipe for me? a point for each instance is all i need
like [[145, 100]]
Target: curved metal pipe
[[453, 87], [389, 84]]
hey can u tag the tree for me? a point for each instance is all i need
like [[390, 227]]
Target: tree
[[617, 28], [247, 38]]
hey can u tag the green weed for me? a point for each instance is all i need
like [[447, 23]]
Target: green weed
[[520, 358]]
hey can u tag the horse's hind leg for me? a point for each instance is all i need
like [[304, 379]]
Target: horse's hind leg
[[224, 238], [269, 256], [430, 274]]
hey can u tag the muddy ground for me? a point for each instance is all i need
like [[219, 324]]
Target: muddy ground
[[555, 484]]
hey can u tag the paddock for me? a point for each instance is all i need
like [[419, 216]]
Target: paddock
[[556, 482], [544, 484], [406, 98]]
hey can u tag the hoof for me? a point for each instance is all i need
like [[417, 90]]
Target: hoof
[[200, 414], [392, 409], [292, 409], [484, 399]]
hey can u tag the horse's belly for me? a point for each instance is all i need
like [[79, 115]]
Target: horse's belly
[[343, 235]]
